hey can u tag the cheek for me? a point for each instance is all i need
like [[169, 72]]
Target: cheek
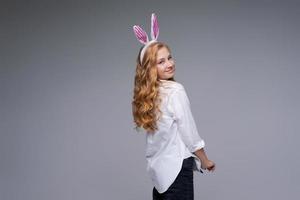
[[160, 68], [160, 71]]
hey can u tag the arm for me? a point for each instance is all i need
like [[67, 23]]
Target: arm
[[200, 153], [180, 107]]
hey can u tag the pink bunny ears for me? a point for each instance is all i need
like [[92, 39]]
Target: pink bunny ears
[[142, 36]]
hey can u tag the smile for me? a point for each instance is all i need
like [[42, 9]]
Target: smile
[[171, 70]]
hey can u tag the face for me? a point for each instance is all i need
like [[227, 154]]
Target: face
[[165, 64]]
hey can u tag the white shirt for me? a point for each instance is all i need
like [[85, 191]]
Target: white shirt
[[176, 138]]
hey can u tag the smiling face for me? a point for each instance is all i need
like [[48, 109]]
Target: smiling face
[[165, 64]]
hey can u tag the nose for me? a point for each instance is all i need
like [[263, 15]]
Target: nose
[[170, 63]]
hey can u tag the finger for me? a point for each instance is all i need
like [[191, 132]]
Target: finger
[[214, 168], [211, 168]]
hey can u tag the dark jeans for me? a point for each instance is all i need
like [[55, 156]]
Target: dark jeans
[[183, 186]]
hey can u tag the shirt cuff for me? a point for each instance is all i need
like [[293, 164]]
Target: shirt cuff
[[197, 146]]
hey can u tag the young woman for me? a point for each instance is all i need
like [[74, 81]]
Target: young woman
[[161, 109]]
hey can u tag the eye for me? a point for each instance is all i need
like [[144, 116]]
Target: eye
[[161, 62], [170, 57]]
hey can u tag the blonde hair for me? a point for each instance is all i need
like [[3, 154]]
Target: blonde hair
[[146, 97]]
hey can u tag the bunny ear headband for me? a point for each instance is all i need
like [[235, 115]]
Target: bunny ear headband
[[142, 36]]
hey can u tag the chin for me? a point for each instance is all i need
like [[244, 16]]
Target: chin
[[172, 76], [169, 76]]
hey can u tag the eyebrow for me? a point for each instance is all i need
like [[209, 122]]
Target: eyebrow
[[163, 58]]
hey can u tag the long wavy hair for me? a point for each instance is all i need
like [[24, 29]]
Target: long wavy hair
[[146, 96]]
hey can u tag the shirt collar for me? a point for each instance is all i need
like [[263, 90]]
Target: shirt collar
[[162, 80]]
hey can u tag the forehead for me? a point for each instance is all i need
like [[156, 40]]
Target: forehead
[[163, 52]]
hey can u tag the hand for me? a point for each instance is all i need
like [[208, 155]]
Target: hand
[[209, 165]]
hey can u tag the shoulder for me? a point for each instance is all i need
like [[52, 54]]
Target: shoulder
[[177, 93], [172, 85], [178, 86]]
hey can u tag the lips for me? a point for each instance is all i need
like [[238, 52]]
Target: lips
[[170, 70]]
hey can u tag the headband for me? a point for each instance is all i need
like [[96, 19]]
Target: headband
[[142, 36]]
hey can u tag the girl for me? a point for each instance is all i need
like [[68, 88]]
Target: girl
[[161, 109]]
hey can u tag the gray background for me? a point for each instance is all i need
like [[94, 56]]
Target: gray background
[[67, 72]]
